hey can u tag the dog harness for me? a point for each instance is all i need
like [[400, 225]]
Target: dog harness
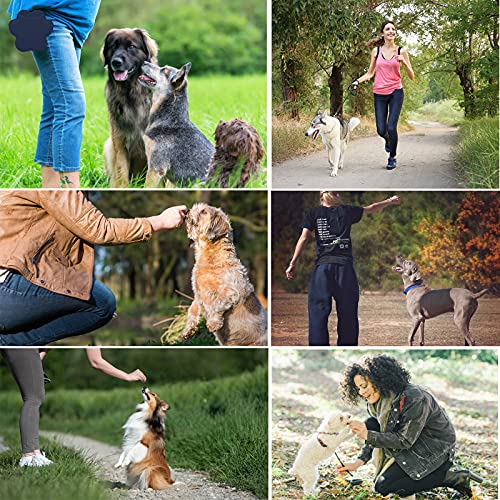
[[406, 290]]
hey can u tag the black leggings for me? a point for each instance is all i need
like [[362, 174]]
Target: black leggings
[[396, 480]]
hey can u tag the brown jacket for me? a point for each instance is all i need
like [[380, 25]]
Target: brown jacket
[[49, 237]]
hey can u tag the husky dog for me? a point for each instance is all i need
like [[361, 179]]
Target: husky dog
[[143, 449], [335, 133], [175, 148]]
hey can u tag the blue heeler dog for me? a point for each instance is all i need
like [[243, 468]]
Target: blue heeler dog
[[176, 150]]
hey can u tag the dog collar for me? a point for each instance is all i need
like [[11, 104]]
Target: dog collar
[[406, 290], [321, 442]]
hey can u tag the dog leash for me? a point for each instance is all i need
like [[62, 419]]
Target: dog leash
[[354, 481], [352, 90]]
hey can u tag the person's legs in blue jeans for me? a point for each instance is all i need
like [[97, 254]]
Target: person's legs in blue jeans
[[320, 304], [381, 103], [395, 106], [346, 295], [387, 111], [31, 315], [61, 124]]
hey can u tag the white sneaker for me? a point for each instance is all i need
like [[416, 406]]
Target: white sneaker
[[38, 460], [40, 457]]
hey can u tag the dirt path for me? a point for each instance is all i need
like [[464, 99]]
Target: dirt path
[[194, 484], [383, 321], [424, 161]]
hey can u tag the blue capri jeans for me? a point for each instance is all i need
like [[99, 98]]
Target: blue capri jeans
[[387, 111], [61, 123], [33, 316]]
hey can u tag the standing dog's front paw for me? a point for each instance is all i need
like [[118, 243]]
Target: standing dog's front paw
[[188, 332], [333, 173], [214, 324]]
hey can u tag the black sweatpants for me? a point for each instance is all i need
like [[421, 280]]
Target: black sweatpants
[[337, 281]]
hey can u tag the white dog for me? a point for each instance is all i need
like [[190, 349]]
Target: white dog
[[319, 447], [335, 133]]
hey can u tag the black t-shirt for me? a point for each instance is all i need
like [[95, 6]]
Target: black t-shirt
[[332, 227]]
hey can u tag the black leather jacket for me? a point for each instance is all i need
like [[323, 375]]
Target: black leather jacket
[[419, 434]]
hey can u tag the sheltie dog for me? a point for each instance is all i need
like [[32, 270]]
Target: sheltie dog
[[143, 449]]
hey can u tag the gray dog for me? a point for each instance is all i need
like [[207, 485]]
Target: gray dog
[[424, 303], [176, 150]]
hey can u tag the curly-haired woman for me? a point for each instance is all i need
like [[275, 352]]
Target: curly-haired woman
[[410, 432]]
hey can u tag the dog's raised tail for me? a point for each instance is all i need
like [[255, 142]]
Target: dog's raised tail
[[353, 123], [481, 293]]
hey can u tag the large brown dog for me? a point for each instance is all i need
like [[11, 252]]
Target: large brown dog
[[223, 293], [129, 103]]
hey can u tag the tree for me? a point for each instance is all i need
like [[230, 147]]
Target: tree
[[467, 247]]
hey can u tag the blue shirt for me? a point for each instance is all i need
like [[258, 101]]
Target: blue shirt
[[78, 15]]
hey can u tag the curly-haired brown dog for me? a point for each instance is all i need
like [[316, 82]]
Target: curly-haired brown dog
[[129, 103], [223, 293], [236, 142]]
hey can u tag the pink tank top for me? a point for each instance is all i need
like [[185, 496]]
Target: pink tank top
[[387, 75]]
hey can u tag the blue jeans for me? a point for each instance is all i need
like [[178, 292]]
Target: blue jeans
[[387, 111], [31, 315], [63, 111], [337, 281]]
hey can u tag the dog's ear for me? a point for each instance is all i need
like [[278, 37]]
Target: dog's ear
[[105, 46], [219, 226], [149, 45], [415, 276], [180, 76]]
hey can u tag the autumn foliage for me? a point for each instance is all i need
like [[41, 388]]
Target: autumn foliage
[[465, 248]]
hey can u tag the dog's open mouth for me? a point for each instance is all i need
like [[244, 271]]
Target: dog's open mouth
[[121, 76], [398, 269], [146, 80], [314, 134]]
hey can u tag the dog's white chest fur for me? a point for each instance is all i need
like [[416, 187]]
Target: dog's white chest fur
[[135, 428]]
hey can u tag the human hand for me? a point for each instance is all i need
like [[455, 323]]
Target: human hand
[[136, 375], [354, 85], [395, 200], [359, 429], [169, 219], [290, 272], [349, 467]]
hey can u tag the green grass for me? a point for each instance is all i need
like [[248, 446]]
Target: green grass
[[71, 476], [477, 153], [218, 426], [446, 111], [211, 98]]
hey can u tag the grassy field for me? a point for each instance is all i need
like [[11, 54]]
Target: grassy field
[[210, 100], [305, 388], [477, 153], [218, 426], [71, 476]]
